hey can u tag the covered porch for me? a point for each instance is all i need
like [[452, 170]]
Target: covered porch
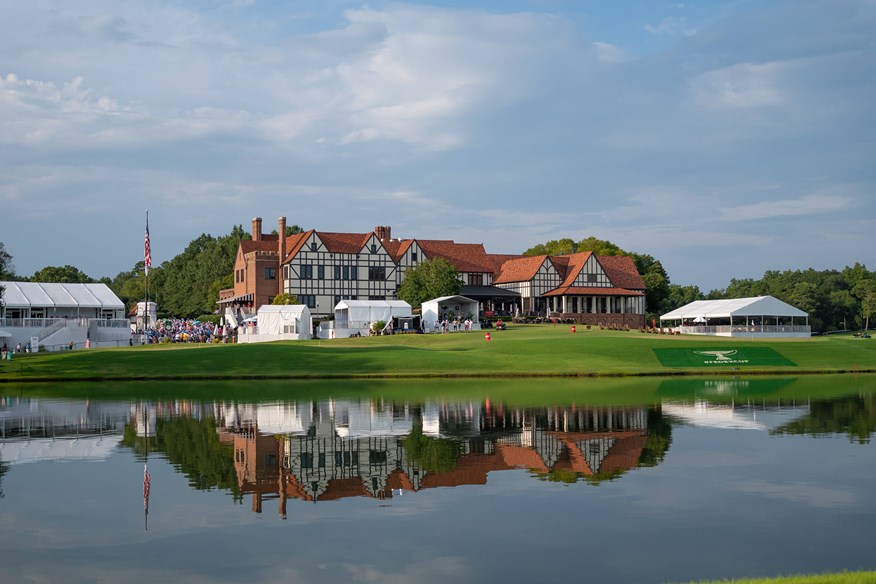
[[609, 307]]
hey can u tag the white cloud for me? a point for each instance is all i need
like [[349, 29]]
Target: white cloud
[[815, 204], [740, 86], [672, 25]]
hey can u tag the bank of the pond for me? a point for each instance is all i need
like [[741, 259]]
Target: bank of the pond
[[524, 351]]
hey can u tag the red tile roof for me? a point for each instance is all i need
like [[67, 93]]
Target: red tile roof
[[519, 269], [344, 242], [465, 257], [572, 265], [248, 245], [294, 243], [622, 272]]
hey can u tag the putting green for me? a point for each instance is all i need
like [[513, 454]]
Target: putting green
[[722, 357]]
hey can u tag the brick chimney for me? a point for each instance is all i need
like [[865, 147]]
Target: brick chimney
[[281, 229], [257, 229], [383, 232]]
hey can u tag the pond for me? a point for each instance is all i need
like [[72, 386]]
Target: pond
[[591, 480]]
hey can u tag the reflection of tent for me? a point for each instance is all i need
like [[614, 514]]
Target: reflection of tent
[[450, 307], [359, 314]]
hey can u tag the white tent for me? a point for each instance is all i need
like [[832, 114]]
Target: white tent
[[449, 307], [58, 299], [359, 314], [764, 315], [277, 323]]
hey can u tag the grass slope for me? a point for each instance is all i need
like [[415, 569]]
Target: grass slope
[[533, 350]]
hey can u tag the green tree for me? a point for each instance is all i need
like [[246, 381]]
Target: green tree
[[865, 291], [656, 283], [290, 230], [65, 274], [430, 279], [285, 298], [600, 247], [184, 286], [7, 271]]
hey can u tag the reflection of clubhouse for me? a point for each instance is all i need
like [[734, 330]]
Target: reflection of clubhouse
[[319, 463]]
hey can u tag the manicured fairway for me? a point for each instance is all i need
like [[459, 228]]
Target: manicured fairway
[[527, 350]]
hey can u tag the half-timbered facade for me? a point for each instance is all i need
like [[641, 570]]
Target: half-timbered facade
[[322, 268]]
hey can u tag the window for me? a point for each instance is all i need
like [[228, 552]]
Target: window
[[307, 299], [354, 272], [306, 460], [270, 273], [476, 279], [312, 246], [373, 248], [592, 278], [320, 272], [270, 299], [413, 256], [307, 272], [376, 273], [375, 297], [346, 271], [337, 272]]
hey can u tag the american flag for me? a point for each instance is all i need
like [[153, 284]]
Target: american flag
[[147, 248]]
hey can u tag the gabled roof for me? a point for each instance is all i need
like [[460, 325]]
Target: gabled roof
[[571, 265], [622, 272], [396, 248], [520, 269], [344, 242], [294, 243]]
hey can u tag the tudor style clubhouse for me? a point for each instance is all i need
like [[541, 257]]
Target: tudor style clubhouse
[[322, 268]]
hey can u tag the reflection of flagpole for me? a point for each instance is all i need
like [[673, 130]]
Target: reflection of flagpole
[[147, 480]]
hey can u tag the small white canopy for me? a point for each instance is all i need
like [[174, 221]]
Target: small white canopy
[[284, 319], [361, 313], [449, 307], [733, 308]]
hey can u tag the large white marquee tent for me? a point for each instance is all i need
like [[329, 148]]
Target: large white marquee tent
[[764, 316]]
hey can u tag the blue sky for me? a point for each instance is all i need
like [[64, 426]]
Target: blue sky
[[725, 138]]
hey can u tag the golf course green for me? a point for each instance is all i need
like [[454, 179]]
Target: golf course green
[[520, 351]]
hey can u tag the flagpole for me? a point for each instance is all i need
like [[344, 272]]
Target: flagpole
[[147, 263]]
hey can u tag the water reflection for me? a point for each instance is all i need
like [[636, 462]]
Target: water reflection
[[327, 450]]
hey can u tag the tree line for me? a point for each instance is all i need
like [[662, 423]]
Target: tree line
[[188, 285]]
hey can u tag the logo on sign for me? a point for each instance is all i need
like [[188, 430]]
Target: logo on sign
[[721, 357]]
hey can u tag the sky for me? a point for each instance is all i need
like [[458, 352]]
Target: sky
[[725, 138]]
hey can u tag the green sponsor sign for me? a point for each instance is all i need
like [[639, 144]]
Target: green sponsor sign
[[720, 357]]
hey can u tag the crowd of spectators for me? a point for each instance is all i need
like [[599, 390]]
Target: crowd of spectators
[[178, 330]]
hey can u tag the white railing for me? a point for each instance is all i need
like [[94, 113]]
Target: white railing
[[743, 329], [57, 325]]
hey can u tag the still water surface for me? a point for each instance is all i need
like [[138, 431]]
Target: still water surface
[[701, 480]]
